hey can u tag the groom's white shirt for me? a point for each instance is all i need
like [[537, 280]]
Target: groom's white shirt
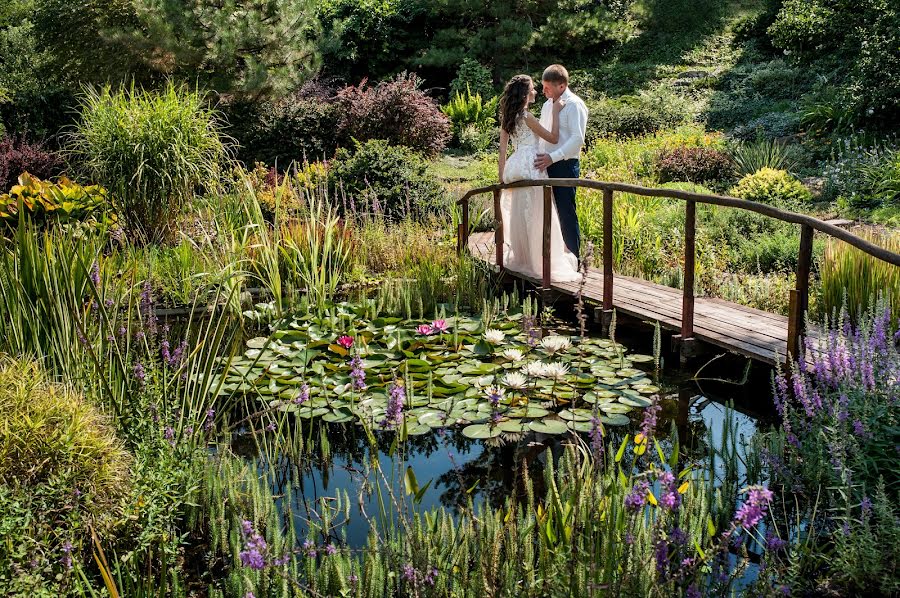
[[572, 127]]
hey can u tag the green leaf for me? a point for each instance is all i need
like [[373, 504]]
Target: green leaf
[[412, 485], [621, 450]]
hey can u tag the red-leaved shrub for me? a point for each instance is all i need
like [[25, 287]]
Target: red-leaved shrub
[[18, 156], [694, 164], [396, 111]]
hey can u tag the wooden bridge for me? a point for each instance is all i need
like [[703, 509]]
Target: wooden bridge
[[751, 332]]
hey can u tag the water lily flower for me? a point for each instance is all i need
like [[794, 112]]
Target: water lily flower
[[439, 326], [556, 371], [424, 329], [513, 354], [495, 394], [345, 341], [494, 336], [534, 369], [555, 343], [515, 380]]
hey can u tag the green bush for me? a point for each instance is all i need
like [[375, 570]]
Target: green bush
[[647, 112], [769, 126], [770, 186], [295, 128], [776, 251], [472, 78], [473, 121], [151, 149], [61, 469], [753, 157], [375, 178], [63, 201], [862, 175]]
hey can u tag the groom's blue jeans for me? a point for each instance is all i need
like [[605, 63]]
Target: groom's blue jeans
[[565, 202]]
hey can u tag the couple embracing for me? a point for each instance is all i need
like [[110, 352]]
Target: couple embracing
[[545, 147]]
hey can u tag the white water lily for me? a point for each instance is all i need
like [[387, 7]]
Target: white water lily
[[556, 371], [555, 343], [494, 336], [513, 354], [496, 392], [515, 380], [534, 369]]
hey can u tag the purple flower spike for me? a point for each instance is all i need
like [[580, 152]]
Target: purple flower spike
[[755, 507]]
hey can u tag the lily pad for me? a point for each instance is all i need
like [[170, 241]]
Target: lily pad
[[481, 431], [552, 426]]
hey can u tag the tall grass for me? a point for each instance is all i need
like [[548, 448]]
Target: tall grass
[[851, 276], [752, 157], [151, 149]]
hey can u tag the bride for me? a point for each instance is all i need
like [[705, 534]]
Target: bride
[[522, 210]]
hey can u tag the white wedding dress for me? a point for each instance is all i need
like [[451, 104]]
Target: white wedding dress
[[522, 211]]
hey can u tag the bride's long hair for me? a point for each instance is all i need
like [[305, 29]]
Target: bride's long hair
[[512, 102]]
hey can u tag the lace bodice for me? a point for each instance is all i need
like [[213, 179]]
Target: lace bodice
[[523, 135]]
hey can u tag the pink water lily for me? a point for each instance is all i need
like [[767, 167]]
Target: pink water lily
[[345, 341], [424, 329], [439, 326]]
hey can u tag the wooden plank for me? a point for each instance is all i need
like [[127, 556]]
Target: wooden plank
[[548, 199], [690, 253], [498, 232], [799, 301]]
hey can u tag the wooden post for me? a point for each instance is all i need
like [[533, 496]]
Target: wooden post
[[799, 297], [607, 249], [462, 238], [545, 252], [498, 230], [690, 253]]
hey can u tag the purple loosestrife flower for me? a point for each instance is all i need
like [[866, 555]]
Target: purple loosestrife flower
[[95, 274], [692, 592], [866, 506], [145, 308], [66, 559], [636, 500], [140, 374], [170, 435], [648, 424], [352, 578], [254, 553], [310, 549], [270, 427], [357, 374], [773, 542], [303, 395], [661, 553], [431, 576], [596, 436], [754, 508], [394, 412], [858, 428], [670, 498], [677, 536], [409, 572], [210, 417], [330, 550]]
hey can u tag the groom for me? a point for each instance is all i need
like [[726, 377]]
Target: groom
[[561, 159]]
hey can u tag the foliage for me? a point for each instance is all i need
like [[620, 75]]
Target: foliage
[[376, 178], [150, 149], [296, 128], [581, 29], [647, 112], [770, 126], [18, 156], [42, 113], [863, 176], [62, 202], [857, 279], [473, 121], [750, 158], [694, 164], [396, 111], [773, 252], [268, 50], [472, 79], [771, 186]]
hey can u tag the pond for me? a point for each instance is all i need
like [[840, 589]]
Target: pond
[[470, 424]]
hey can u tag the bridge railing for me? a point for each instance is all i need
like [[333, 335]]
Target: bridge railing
[[799, 296]]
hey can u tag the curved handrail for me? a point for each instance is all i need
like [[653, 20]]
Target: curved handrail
[[719, 200]]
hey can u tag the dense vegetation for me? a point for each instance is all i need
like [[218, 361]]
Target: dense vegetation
[[228, 258]]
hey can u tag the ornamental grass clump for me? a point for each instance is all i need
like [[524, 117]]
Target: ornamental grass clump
[[151, 149]]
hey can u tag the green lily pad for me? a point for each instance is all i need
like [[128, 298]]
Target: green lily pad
[[481, 431], [553, 426]]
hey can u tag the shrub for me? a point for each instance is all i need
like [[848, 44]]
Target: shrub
[[647, 112], [776, 251], [753, 157], [61, 469], [771, 125], [396, 111], [18, 156], [861, 175], [771, 186], [151, 149], [473, 120], [376, 178], [694, 164], [472, 78], [62, 202], [295, 128]]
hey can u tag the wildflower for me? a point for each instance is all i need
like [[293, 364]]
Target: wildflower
[[596, 436], [494, 394], [556, 371], [431, 576], [357, 374], [773, 542], [330, 550], [754, 508], [282, 560], [345, 341], [210, 414], [271, 427], [512, 355], [249, 595], [309, 548], [648, 424], [253, 554], [529, 327], [629, 538], [439, 326], [866, 505], [424, 329], [409, 572], [95, 274], [352, 578], [554, 344], [677, 536], [66, 559], [394, 412], [493, 336], [303, 395], [638, 496], [515, 380], [858, 428], [140, 374], [692, 592], [662, 558], [670, 498]]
